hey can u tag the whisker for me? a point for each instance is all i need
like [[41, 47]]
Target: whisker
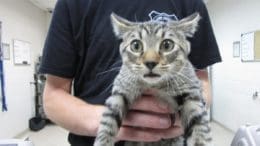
[[190, 68], [178, 85], [136, 66], [163, 68], [176, 82], [184, 76], [109, 86], [113, 69], [181, 80], [119, 61]]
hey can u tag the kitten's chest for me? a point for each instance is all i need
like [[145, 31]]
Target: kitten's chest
[[169, 99]]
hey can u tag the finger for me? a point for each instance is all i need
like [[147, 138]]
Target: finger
[[147, 120], [173, 132], [150, 104], [148, 135], [137, 134], [176, 129]]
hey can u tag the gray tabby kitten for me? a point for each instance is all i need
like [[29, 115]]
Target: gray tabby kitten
[[154, 55]]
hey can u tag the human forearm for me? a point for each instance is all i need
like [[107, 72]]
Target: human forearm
[[203, 76], [83, 119], [69, 111], [72, 114]]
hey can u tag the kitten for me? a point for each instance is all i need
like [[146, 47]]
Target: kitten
[[155, 55]]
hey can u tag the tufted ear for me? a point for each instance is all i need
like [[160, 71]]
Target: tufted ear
[[121, 25], [189, 24]]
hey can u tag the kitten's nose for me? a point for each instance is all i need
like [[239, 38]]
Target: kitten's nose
[[151, 64]]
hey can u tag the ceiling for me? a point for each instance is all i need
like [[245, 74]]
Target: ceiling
[[48, 5]]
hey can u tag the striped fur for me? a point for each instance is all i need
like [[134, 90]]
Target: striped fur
[[176, 81]]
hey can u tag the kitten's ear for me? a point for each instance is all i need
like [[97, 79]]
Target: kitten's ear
[[189, 24], [121, 25]]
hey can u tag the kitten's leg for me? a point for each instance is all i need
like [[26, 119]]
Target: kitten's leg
[[195, 120], [117, 106], [179, 141]]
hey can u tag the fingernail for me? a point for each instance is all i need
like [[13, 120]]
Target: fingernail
[[164, 122]]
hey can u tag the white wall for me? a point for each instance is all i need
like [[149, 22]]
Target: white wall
[[233, 81], [20, 20]]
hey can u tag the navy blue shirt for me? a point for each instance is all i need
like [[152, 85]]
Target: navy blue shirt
[[81, 44]]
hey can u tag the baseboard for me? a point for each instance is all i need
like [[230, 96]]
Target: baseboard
[[223, 126], [23, 135]]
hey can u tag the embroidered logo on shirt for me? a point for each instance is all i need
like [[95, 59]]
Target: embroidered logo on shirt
[[162, 17]]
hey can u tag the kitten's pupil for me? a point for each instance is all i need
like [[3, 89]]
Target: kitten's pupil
[[136, 46], [167, 45]]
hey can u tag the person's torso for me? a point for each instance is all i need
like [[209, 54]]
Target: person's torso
[[98, 49]]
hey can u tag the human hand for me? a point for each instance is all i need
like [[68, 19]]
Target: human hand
[[149, 120]]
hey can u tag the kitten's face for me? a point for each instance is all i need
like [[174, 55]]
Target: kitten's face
[[154, 50]]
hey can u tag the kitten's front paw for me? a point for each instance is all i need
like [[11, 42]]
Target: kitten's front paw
[[103, 141], [209, 144], [199, 142], [100, 144]]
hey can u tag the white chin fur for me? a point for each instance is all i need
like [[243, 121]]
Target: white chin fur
[[151, 80]]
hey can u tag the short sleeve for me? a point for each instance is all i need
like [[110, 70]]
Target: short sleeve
[[204, 48], [59, 54]]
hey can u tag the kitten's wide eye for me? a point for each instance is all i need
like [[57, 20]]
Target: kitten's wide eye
[[136, 46], [167, 45]]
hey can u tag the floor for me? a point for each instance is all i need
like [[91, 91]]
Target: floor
[[221, 136], [53, 135]]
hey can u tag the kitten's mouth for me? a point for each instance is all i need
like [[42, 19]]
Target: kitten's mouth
[[151, 75]]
